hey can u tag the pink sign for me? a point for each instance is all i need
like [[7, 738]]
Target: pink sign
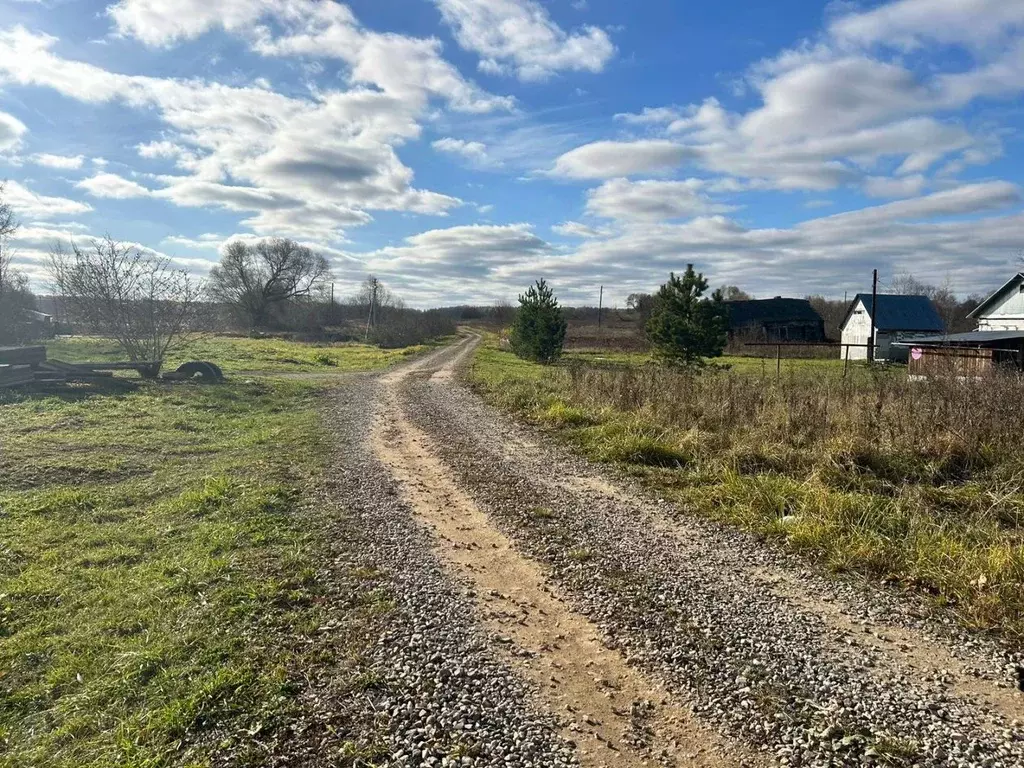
[[916, 353]]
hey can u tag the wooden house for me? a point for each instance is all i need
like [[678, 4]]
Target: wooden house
[[775, 319], [897, 318]]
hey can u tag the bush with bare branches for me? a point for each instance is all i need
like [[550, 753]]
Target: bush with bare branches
[[118, 290]]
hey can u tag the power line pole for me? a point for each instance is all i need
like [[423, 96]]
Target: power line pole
[[600, 304], [373, 302], [872, 314]]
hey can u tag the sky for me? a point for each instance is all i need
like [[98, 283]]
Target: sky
[[461, 149]]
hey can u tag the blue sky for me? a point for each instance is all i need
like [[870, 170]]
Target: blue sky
[[459, 149]]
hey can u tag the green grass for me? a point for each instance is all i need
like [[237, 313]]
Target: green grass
[[157, 561], [755, 366], [917, 484], [235, 353]]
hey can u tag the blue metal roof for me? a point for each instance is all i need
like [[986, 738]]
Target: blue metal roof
[[901, 313]]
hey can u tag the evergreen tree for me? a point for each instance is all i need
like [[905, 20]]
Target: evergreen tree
[[539, 328], [687, 326]]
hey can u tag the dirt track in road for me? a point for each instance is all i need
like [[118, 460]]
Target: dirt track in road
[[651, 635], [615, 716]]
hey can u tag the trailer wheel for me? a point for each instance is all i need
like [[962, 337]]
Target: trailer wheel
[[204, 370]]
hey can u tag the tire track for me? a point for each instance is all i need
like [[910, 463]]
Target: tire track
[[613, 714]]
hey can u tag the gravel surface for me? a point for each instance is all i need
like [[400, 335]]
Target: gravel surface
[[688, 603], [438, 693]]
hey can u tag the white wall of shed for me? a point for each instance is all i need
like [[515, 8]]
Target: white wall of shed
[[1007, 314], [857, 331]]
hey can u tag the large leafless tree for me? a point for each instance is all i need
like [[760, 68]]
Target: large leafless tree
[[8, 226], [256, 278], [15, 296], [118, 290]]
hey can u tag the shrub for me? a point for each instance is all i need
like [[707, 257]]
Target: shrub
[[538, 332]]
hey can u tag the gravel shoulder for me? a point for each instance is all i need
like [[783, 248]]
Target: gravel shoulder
[[797, 668]]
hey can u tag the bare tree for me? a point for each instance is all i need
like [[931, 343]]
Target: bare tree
[[255, 279], [832, 313], [952, 311], [118, 290], [734, 293], [8, 226], [15, 296], [503, 312]]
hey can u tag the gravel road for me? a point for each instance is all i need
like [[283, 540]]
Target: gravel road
[[548, 614]]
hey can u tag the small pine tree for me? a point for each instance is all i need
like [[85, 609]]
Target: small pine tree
[[539, 328], [686, 326]]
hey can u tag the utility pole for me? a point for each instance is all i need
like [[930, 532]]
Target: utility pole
[[330, 315], [370, 323], [600, 304], [872, 314]]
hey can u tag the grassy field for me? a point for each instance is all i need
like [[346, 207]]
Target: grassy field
[[158, 558], [236, 353], [736, 363], [914, 483]]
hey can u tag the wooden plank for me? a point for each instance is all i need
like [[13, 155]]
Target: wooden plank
[[23, 355], [15, 375], [145, 369], [70, 371], [121, 366]]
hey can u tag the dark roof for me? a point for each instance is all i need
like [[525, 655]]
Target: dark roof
[[1012, 282], [778, 310], [977, 338], [899, 312]]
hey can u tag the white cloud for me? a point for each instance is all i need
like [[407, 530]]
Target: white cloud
[[456, 263], [30, 204], [164, 22], [578, 229], [520, 36], [626, 200], [206, 241], [650, 116], [966, 199], [405, 68], [911, 23], [832, 110], [826, 255], [887, 186], [11, 131], [471, 150], [328, 159], [62, 162], [872, 91], [609, 159], [111, 185]]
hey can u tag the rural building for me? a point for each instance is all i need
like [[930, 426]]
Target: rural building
[[998, 341], [1004, 309], [39, 324], [775, 319], [965, 354], [898, 318]]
